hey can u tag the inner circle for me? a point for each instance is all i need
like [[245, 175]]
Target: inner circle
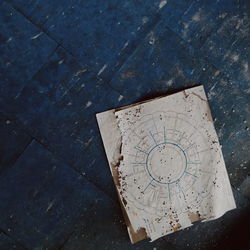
[[166, 163]]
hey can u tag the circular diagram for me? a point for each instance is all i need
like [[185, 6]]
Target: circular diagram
[[168, 164]]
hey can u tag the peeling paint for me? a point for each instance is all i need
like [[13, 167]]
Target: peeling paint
[[128, 74], [102, 69], [36, 36], [88, 104], [162, 4], [50, 205], [120, 98], [79, 72]]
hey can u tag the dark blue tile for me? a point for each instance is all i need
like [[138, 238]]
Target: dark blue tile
[[228, 49], [23, 48], [170, 64], [102, 35], [60, 73], [13, 142], [167, 64], [55, 125], [173, 12], [92, 163], [8, 243], [230, 107], [58, 107], [109, 238], [23, 5], [200, 18], [39, 11], [44, 201]]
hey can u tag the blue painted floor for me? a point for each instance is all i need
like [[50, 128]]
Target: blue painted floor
[[62, 62]]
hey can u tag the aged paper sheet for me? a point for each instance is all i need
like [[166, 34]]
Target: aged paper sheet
[[167, 164]]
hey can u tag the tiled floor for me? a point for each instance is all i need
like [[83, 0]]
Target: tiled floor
[[62, 62]]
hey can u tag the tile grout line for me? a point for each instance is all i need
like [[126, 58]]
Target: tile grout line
[[186, 45], [33, 138], [198, 51], [75, 169], [41, 29], [67, 238], [19, 155], [139, 42], [153, 26], [55, 40], [158, 19], [40, 68]]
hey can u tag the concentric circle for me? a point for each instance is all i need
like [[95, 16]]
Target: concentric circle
[[166, 163]]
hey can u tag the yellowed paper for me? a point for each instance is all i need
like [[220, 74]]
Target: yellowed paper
[[167, 163]]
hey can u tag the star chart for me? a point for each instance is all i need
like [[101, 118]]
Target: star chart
[[167, 165]]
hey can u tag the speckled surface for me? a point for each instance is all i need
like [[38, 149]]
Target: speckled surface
[[62, 62]]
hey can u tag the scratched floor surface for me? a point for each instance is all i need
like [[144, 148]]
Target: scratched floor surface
[[62, 62]]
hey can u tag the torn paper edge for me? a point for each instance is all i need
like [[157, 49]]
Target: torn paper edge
[[111, 135]]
